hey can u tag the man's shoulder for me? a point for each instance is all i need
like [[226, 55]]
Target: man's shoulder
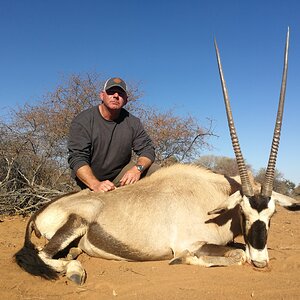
[[130, 120], [86, 114], [129, 116]]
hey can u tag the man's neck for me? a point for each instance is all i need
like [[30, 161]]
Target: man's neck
[[109, 114]]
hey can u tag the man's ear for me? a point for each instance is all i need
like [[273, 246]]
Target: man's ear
[[229, 203]]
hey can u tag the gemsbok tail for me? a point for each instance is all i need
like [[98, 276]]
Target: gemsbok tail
[[28, 259]]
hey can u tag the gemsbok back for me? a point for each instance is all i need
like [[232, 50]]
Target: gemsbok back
[[182, 213]]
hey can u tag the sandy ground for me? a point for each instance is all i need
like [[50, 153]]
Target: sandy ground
[[158, 280]]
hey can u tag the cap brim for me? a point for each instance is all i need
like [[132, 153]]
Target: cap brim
[[116, 85]]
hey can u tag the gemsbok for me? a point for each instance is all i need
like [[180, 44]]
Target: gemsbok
[[182, 213]]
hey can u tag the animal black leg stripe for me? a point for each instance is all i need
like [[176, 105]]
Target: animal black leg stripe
[[65, 235]]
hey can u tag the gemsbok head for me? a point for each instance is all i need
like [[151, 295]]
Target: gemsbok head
[[257, 207]]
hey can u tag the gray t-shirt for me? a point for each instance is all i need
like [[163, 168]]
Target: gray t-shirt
[[104, 145]]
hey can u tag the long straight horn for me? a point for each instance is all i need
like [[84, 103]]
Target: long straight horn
[[269, 177], [246, 185]]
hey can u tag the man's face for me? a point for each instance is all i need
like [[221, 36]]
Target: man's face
[[114, 98]]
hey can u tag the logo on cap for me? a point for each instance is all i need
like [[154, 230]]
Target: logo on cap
[[117, 80]]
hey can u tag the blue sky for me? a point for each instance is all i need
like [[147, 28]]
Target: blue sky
[[167, 47]]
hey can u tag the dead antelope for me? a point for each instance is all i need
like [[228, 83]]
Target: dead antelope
[[182, 213]]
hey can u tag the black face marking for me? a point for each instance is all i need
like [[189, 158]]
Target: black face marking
[[259, 202], [257, 235], [243, 226], [108, 243]]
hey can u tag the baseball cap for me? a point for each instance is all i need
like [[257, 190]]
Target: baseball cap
[[115, 81]]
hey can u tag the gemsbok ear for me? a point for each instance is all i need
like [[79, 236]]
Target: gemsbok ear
[[286, 201], [231, 202]]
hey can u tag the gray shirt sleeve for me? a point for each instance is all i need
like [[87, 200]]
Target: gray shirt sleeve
[[142, 144], [79, 146]]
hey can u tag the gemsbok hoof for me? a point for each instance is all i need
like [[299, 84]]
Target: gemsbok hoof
[[75, 272], [236, 256]]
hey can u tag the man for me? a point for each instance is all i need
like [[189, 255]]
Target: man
[[101, 141]]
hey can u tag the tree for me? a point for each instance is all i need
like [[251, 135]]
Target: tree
[[33, 156], [177, 139], [280, 185], [221, 164], [296, 192], [228, 166]]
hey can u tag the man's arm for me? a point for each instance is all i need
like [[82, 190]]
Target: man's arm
[[79, 146], [143, 147], [85, 174], [133, 174]]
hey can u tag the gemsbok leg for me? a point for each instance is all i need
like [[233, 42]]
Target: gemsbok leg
[[210, 255], [42, 263]]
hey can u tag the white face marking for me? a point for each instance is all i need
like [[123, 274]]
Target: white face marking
[[251, 214]]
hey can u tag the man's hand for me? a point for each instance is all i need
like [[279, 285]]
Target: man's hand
[[131, 176], [85, 174], [104, 186]]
